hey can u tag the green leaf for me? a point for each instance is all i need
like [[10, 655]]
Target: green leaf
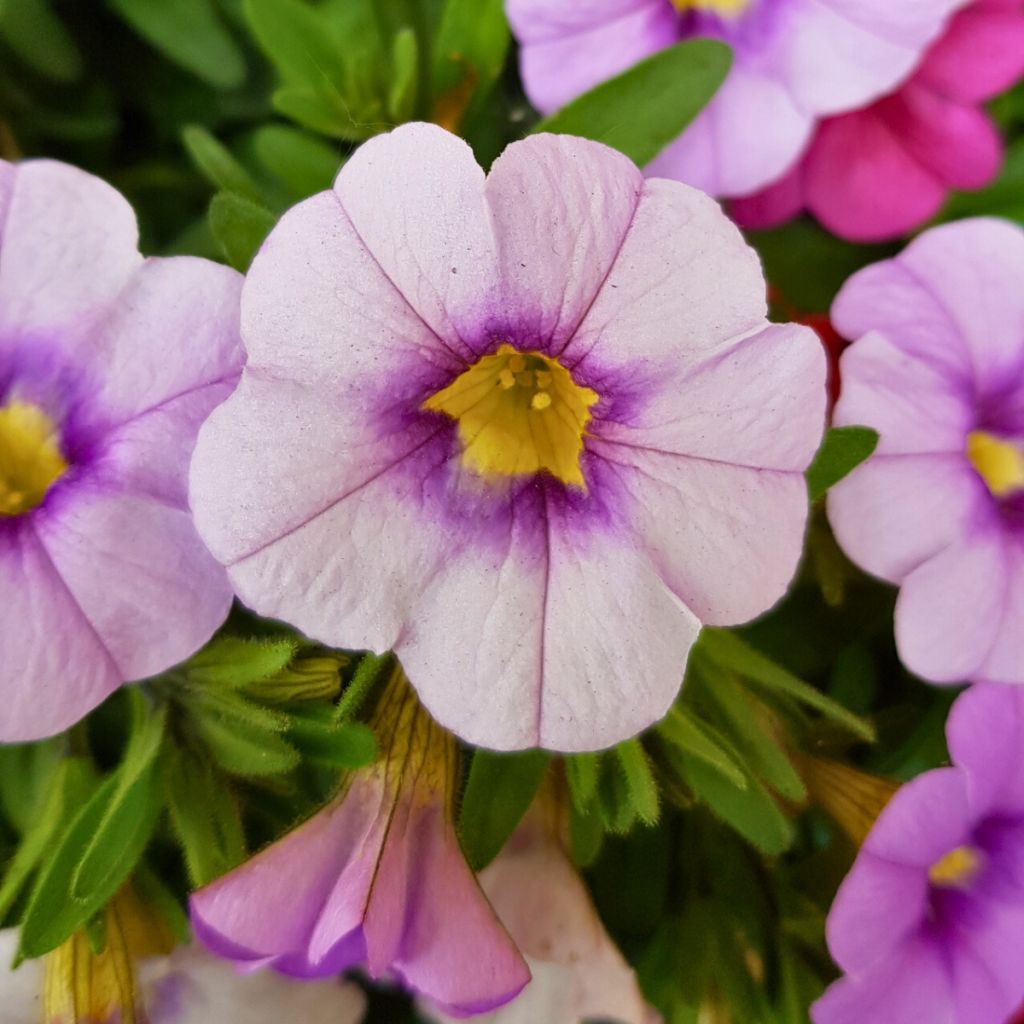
[[842, 451], [217, 164], [39, 38], [130, 814], [322, 739], [305, 163], [204, 815], [233, 662], [191, 34], [641, 784], [243, 737], [27, 772], [750, 811], [239, 226], [499, 790], [322, 112], [687, 733], [405, 57], [371, 670], [642, 110], [730, 651], [586, 837], [583, 772]]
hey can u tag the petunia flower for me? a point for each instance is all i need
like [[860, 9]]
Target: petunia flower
[[929, 924], [795, 61], [578, 972], [529, 431], [939, 507], [376, 877], [108, 364], [881, 171]]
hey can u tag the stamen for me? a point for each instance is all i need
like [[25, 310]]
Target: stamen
[[730, 8], [999, 463], [31, 461], [957, 869], [541, 400]]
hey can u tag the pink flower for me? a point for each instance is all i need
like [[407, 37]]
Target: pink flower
[[525, 430], [795, 61], [108, 364], [578, 973], [939, 508], [879, 172], [377, 876]]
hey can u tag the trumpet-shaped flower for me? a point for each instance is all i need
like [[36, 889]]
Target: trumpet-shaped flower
[[376, 877], [881, 171], [108, 364], [794, 61], [939, 507], [578, 973], [529, 430], [929, 924]]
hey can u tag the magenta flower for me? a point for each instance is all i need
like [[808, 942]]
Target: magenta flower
[[939, 508], [795, 61], [376, 877], [524, 430], [929, 924], [108, 364], [879, 172]]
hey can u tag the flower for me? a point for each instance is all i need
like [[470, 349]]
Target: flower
[[939, 507], [529, 432], [794, 62], [879, 172], [929, 924], [578, 973], [108, 364], [382, 880]]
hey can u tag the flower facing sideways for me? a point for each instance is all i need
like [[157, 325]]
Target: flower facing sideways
[[108, 364], [530, 431], [376, 877], [929, 924], [939, 507]]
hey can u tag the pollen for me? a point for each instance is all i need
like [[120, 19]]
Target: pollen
[[519, 413], [729, 8], [999, 463], [957, 869], [31, 461]]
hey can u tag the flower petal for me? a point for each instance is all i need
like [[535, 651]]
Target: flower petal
[[69, 247]]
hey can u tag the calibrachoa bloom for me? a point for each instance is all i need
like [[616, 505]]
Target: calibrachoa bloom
[[929, 924], [108, 364], [939, 508], [377, 876], [877, 173], [529, 430], [794, 61], [578, 973]]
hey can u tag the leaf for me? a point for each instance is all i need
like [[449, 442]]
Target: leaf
[[582, 772], [239, 226], [305, 163], [730, 651], [405, 57], [322, 739], [842, 451], [299, 42], [39, 38], [371, 670], [131, 812], [498, 792], [217, 164], [204, 815], [686, 733], [191, 34], [27, 773], [642, 110], [233, 662], [586, 837], [641, 785], [243, 737]]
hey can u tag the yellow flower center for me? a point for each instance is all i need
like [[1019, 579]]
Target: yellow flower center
[[519, 413], [730, 8], [957, 869], [30, 457], [999, 463]]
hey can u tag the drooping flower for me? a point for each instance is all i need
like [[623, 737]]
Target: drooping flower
[[929, 924], [879, 172], [578, 972], [376, 877], [939, 507], [529, 431], [794, 62], [108, 364]]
